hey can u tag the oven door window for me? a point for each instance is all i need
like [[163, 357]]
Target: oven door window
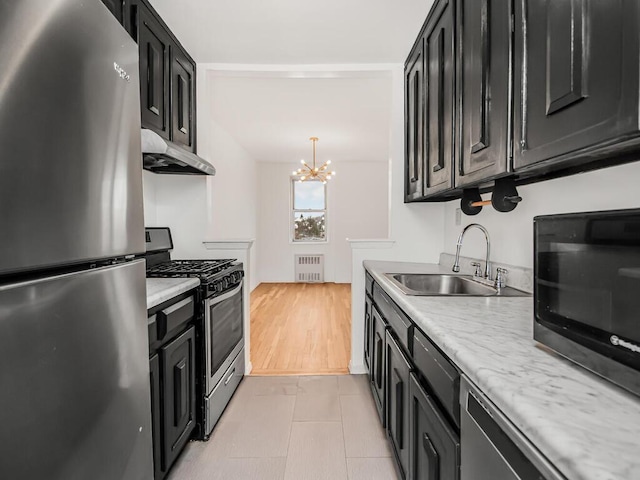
[[225, 329]]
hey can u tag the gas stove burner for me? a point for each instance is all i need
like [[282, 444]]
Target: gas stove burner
[[188, 268]]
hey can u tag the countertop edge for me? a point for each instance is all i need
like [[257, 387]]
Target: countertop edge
[[160, 290]]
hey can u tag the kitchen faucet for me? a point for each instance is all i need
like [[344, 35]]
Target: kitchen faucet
[[487, 266]]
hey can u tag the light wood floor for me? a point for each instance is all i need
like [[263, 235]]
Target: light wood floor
[[300, 328]]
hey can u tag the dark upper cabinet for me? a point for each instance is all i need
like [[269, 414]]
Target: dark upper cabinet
[[154, 45], [116, 7], [397, 404], [484, 76], [434, 446], [414, 122], [167, 76], [179, 399], [182, 99], [576, 76], [439, 39]]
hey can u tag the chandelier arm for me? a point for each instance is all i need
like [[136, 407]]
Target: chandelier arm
[[312, 172]]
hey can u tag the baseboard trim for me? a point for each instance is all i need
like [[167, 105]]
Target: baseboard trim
[[357, 369]]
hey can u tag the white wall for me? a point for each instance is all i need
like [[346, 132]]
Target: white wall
[[180, 203], [232, 193], [149, 191], [357, 208], [512, 232]]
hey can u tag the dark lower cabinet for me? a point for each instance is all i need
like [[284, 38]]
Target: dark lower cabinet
[[378, 370], [416, 391], [397, 386], [178, 373], [368, 321], [434, 445], [156, 414], [577, 73]]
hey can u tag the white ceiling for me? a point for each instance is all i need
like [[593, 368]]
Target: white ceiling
[[295, 31], [273, 116]]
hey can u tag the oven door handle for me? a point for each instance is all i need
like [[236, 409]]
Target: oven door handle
[[224, 296]]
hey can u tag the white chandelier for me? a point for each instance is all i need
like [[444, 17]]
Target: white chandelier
[[314, 173]]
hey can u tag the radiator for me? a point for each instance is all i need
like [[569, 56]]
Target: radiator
[[309, 268]]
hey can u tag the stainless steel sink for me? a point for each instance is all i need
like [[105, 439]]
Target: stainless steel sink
[[448, 285]]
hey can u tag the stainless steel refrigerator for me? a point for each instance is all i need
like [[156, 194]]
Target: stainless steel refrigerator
[[74, 370]]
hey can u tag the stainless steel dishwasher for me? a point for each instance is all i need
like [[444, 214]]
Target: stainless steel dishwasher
[[492, 448]]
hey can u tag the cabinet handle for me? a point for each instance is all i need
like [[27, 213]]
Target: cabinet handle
[[440, 101], [432, 457], [379, 362], [524, 87], [180, 392], [479, 130], [230, 376], [399, 411]]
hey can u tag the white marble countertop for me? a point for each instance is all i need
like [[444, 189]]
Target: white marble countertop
[[587, 427], [162, 289]]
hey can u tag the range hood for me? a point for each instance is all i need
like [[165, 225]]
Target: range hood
[[162, 156]]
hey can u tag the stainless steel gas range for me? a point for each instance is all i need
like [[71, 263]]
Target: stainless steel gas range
[[219, 324]]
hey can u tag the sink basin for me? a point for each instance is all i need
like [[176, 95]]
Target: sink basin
[[447, 285]]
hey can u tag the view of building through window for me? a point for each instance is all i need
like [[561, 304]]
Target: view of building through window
[[309, 211]]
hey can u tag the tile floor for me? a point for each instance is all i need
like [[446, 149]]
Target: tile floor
[[293, 428]]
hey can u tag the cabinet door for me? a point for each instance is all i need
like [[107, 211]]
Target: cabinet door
[[414, 123], [397, 402], [179, 397], [156, 414], [182, 99], [577, 77], [367, 333], [378, 362], [440, 71], [116, 7], [484, 73], [154, 45], [434, 446]]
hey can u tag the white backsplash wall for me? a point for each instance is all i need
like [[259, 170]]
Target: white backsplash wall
[[357, 208], [149, 191], [181, 204], [232, 194], [512, 233]]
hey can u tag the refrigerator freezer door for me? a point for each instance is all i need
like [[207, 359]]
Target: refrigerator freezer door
[[70, 161], [75, 401]]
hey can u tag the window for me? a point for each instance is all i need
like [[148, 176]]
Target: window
[[309, 200]]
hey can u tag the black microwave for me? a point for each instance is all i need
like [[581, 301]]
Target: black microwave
[[587, 291]]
